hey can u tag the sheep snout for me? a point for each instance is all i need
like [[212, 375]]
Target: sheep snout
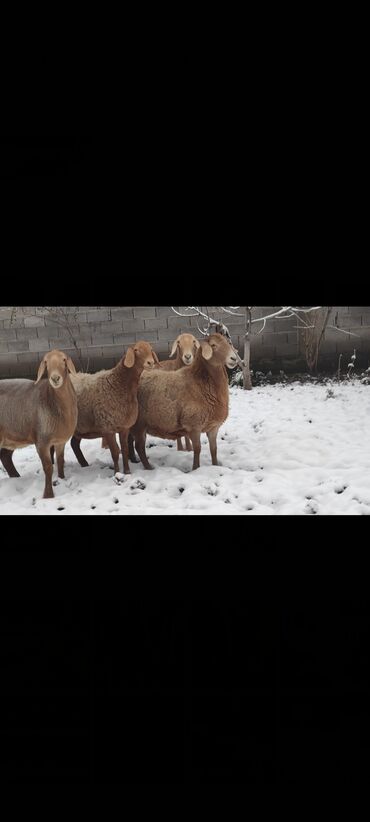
[[56, 380], [231, 361]]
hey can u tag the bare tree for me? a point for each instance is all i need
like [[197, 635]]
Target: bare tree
[[64, 317], [312, 330], [283, 313]]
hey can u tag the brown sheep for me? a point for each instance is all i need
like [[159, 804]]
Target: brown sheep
[[187, 402], [107, 403], [43, 413], [185, 347]]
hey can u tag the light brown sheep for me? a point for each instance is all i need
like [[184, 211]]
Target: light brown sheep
[[187, 402], [107, 403], [185, 347], [43, 413]]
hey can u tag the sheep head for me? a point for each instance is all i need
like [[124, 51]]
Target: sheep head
[[218, 351], [141, 355], [57, 365], [186, 346]]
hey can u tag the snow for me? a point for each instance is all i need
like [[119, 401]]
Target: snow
[[285, 449]]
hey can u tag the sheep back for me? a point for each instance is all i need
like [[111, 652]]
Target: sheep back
[[101, 409]]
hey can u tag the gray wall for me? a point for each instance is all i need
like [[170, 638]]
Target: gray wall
[[101, 335]]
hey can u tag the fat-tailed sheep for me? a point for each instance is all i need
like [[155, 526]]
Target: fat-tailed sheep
[[107, 403], [185, 347], [43, 413], [187, 402]]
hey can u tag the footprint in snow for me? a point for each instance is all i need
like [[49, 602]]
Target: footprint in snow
[[138, 485], [211, 490], [311, 509]]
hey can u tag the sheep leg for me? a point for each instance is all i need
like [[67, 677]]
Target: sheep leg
[[123, 438], [60, 460], [75, 444], [44, 454], [189, 446], [140, 447], [6, 459], [212, 439], [131, 449], [111, 443], [195, 436]]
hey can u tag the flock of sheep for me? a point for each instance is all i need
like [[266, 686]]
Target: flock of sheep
[[181, 397]]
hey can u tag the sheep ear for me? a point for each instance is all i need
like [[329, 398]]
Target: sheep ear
[[41, 371], [129, 360], [174, 348], [155, 357], [197, 343], [70, 366], [206, 351]]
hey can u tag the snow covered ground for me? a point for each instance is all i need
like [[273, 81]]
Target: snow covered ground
[[285, 449]]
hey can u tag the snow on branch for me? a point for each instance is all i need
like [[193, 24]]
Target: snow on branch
[[285, 312]]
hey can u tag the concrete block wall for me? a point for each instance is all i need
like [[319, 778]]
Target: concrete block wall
[[101, 334]]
